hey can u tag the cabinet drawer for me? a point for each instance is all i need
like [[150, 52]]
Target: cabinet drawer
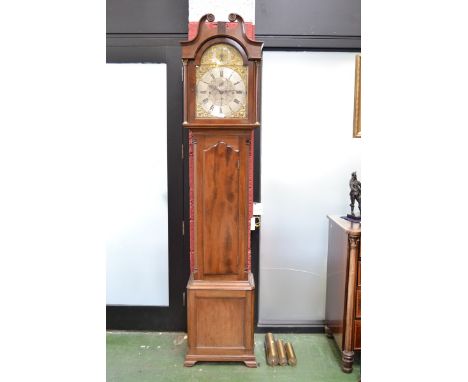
[[357, 335], [358, 303]]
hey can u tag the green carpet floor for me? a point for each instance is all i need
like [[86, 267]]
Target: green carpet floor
[[138, 356]]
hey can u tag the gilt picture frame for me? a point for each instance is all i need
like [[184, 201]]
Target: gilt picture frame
[[357, 98]]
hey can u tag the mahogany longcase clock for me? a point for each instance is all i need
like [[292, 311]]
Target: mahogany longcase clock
[[221, 110]]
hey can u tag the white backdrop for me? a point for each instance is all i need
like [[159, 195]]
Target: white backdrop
[[136, 213], [308, 154]]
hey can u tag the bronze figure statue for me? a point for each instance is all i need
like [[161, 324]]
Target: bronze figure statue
[[355, 195]]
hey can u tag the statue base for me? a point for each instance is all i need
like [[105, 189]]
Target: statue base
[[353, 218]]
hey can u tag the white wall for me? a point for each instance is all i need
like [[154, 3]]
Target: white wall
[[136, 224], [308, 154]]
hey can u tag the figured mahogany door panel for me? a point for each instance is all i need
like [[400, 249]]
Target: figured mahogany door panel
[[221, 209], [221, 205]]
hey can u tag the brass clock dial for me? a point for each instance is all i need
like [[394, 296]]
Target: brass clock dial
[[221, 90]]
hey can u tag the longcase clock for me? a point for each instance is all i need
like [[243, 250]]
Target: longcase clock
[[221, 110]]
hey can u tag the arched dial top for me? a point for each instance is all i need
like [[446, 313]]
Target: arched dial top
[[221, 83]]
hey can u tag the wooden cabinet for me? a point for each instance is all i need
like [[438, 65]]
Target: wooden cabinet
[[343, 306]]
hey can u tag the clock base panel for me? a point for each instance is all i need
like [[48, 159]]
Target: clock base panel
[[220, 321]]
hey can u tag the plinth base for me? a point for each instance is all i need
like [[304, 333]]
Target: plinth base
[[220, 321], [249, 360]]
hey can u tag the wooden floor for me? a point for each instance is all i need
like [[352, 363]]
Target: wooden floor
[[137, 356]]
